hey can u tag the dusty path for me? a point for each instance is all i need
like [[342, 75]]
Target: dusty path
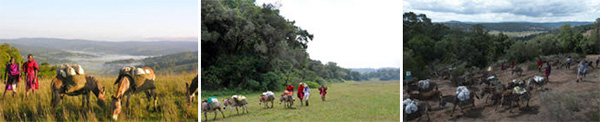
[[561, 80]]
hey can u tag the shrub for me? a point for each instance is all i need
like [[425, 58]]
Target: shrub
[[532, 66], [312, 84], [521, 52]]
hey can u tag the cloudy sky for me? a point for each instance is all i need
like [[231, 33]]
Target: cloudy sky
[[352, 33], [108, 20], [506, 10]]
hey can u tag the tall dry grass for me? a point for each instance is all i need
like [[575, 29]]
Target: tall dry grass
[[170, 89]]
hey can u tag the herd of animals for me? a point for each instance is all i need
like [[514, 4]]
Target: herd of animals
[[212, 104], [70, 80], [418, 93]]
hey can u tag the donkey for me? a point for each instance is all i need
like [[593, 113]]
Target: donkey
[[91, 86], [205, 107], [454, 100], [126, 86], [287, 99], [423, 110], [232, 102], [191, 90], [266, 98]]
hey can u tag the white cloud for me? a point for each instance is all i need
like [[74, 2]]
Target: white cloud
[[505, 10]]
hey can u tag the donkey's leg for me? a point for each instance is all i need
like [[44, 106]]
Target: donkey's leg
[[205, 117], [127, 102], [216, 114], [156, 100], [221, 113], [149, 97], [82, 101], [87, 100]]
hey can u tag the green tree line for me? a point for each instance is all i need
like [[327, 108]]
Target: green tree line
[[429, 47], [246, 47]]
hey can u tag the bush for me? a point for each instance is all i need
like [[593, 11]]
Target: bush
[[532, 66], [336, 81], [521, 52], [312, 84], [320, 80], [270, 81]]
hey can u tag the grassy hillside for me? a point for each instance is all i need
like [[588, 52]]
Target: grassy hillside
[[170, 90], [354, 101]]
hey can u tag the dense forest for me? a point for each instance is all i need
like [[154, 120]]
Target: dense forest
[[246, 47], [429, 46], [383, 74]]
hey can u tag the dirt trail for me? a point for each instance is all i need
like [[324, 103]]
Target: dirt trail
[[561, 80]]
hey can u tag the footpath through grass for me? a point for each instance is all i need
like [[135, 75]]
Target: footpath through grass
[[354, 101]]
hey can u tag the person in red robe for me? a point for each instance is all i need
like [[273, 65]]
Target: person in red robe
[[301, 91], [322, 91], [512, 64], [30, 68]]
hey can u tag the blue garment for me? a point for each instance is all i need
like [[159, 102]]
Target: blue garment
[[210, 99]]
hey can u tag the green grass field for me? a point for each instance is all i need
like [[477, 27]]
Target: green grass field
[[354, 101], [171, 92]]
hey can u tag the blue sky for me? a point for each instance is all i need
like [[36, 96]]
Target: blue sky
[[506, 10], [108, 20], [352, 33]]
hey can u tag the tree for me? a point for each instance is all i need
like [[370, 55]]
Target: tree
[[566, 38]]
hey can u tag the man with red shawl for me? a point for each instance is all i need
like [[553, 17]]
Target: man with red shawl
[[30, 68]]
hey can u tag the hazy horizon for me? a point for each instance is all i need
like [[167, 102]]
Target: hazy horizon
[[190, 39], [105, 20]]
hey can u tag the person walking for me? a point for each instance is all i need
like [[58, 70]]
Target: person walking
[[30, 68], [12, 77], [322, 91], [306, 93], [301, 92], [547, 73], [580, 70]]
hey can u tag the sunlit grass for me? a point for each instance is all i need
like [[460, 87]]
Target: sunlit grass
[[170, 89]]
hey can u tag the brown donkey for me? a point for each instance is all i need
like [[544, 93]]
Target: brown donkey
[[91, 86], [133, 80]]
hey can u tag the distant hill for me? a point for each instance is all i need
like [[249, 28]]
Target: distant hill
[[128, 47], [48, 55], [512, 26], [172, 63], [94, 54]]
